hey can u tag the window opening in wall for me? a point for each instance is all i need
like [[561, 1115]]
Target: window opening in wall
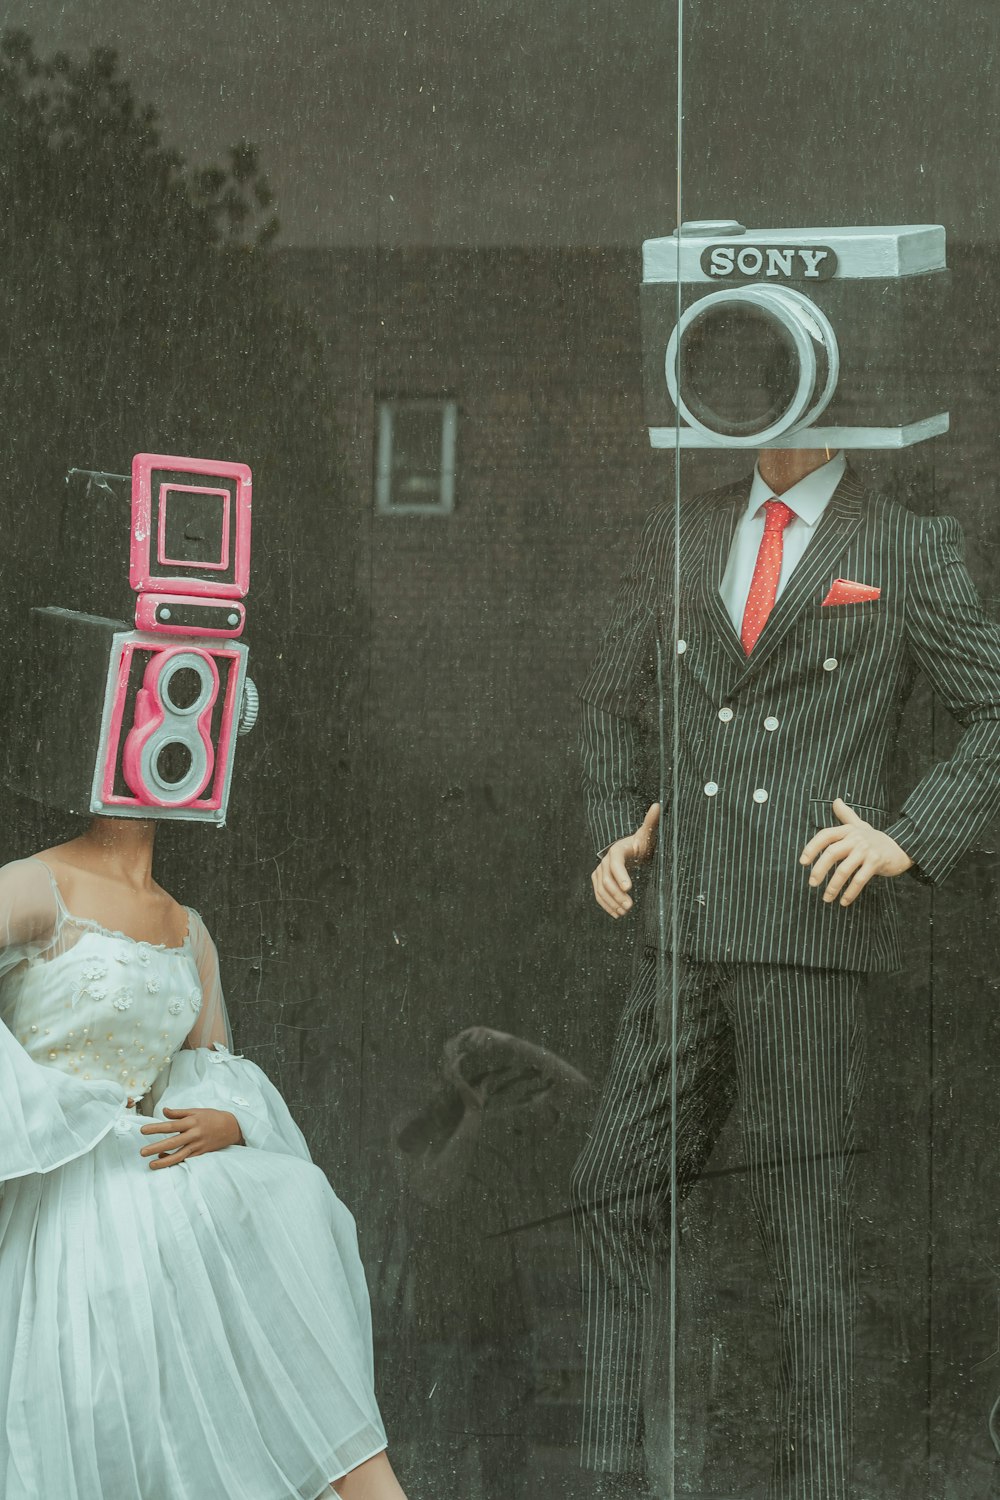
[[415, 457]]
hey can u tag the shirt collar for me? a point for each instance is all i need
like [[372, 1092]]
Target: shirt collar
[[809, 497]]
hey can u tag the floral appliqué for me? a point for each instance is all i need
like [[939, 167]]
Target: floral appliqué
[[93, 971], [194, 999], [92, 991], [122, 955], [122, 998], [142, 954], [175, 1007], [152, 985]]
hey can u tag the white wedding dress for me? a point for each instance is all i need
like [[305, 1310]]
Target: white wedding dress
[[200, 1332]]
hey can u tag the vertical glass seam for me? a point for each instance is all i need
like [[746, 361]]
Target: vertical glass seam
[[674, 789]]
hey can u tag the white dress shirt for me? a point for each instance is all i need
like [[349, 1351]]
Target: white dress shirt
[[808, 499]]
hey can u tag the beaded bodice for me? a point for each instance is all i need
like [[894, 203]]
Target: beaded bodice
[[106, 1007]]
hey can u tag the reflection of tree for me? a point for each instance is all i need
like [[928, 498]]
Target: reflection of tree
[[81, 150], [139, 310]]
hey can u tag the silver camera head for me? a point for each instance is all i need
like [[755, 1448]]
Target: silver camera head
[[792, 338]]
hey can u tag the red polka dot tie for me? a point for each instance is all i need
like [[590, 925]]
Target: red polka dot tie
[[767, 571]]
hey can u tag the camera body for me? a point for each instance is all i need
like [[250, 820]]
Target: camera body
[[794, 338], [143, 722]]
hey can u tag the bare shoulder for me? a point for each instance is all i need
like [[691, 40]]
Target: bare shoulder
[[95, 892], [69, 867], [71, 855]]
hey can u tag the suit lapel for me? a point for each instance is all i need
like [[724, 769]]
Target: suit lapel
[[840, 521], [719, 533]]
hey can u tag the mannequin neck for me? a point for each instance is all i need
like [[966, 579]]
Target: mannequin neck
[[780, 468], [123, 847]]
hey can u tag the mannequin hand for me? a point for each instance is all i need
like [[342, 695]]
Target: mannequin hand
[[611, 880], [195, 1131], [858, 851]]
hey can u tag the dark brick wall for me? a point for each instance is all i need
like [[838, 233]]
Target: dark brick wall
[[476, 905]]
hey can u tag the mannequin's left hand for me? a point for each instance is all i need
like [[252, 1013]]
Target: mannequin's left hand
[[191, 1132], [855, 851]]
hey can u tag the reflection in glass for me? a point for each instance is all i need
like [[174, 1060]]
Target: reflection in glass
[[416, 457], [764, 643]]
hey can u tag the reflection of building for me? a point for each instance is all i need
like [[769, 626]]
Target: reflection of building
[[525, 366], [483, 614], [489, 409]]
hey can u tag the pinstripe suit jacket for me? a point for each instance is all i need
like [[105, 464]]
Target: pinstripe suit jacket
[[811, 715]]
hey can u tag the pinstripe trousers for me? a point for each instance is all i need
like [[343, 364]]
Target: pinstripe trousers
[[787, 1044]]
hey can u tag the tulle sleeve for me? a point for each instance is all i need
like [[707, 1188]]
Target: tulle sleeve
[[212, 1025], [207, 1074], [47, 1117]]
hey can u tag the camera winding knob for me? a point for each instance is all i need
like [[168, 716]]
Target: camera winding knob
[[249, 708]]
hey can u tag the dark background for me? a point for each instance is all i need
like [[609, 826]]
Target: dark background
[[463, 192]]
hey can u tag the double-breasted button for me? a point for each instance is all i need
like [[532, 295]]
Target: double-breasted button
[[831, 664], [711, 788], [770, 722], [760, 795], [681, 647], [725, 714]]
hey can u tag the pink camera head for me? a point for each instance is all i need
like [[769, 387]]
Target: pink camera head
[[189, 560], [156, 710]]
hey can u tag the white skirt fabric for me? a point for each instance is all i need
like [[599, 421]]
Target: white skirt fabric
[[199, 1332]]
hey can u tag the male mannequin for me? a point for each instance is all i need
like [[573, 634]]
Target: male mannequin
[[790, 682]]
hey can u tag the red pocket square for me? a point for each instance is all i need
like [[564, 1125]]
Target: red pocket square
[[846, 591]]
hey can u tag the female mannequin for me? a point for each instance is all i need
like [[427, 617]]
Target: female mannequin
[[183, 1312]]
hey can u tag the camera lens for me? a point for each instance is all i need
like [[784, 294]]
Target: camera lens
[[173, 764], [750, 365], [739, 370], [184, 687], [187, 680]]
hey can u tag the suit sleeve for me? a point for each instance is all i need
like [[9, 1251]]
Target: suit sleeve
[[621, 688], [957, 646]]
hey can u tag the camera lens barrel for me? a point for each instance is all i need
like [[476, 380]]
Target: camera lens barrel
[[751, 364]]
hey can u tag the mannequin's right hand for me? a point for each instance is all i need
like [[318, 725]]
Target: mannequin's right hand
[[611, 879]]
